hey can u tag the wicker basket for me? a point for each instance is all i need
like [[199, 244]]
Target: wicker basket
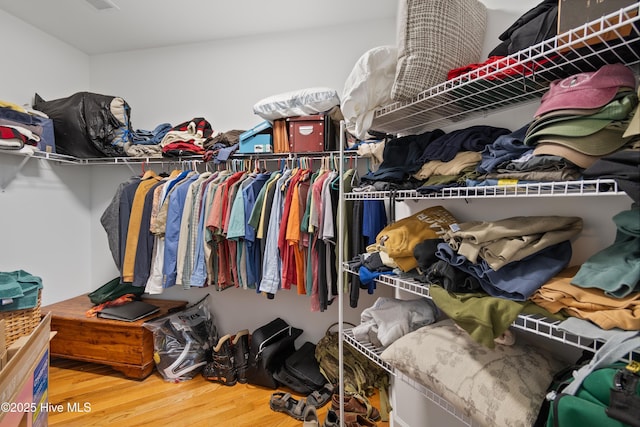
[[19, 323]]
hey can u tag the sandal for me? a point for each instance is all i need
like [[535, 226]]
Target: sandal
[[319, 398], [284, 402], [310, 417]]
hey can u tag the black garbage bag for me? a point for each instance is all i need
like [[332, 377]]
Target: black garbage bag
[[88, 124]]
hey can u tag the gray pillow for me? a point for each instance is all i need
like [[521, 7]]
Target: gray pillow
[[504, 386], [435, 36]]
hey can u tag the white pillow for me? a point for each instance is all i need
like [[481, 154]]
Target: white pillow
[[504, 386], [368, 87], [301, 102]]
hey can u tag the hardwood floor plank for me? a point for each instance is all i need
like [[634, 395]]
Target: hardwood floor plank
[[117, 400]]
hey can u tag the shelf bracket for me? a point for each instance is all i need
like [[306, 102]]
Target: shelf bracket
[[5, 182]]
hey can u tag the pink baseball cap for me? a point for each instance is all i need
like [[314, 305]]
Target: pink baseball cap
[[587, 90]]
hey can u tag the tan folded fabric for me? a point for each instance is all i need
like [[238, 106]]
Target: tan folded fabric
[[511, 239], [460, 162], [558, 294]]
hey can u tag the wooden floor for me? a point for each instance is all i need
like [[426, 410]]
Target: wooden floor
[[96, 395]]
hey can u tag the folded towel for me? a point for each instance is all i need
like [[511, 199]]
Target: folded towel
[[20, 286]]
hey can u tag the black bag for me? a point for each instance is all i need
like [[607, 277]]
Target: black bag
[[85, 125], [270, 346], [301, 371]]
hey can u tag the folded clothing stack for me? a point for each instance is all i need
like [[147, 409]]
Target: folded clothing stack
[[585, 116]]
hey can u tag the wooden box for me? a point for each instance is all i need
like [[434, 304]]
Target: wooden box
[[125, 346]]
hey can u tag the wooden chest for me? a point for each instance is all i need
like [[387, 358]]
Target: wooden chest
[[125, 346]]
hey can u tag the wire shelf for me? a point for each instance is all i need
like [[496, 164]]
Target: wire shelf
[[373, 354], [595, 187], [65, 159], [532, 323], [369, 350], [518, 78]]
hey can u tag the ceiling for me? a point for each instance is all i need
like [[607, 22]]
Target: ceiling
[[145, 24]]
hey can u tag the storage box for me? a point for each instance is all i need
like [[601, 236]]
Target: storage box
[[24, 381], [310, 134], [573, 14], [280, 136], [259, 139], [125, 346], [3, 345]]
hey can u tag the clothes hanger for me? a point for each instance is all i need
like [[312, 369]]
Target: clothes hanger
[[147, 173]]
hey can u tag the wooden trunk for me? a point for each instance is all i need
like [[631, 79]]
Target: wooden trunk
[[125, 346]]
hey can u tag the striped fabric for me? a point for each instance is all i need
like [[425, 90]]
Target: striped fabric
[[435, 36]]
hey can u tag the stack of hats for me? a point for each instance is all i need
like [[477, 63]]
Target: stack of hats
[[585, 116]]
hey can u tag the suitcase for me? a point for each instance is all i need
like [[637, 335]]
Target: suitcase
[[301, 371], [270, 346]]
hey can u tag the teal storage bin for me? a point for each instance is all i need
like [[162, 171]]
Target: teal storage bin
[[259, 139]]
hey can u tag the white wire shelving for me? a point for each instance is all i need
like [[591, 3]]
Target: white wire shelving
[[71, 160], [518, 78], [235, 162], [373, 353], [511, 81], [532, 323], [594, 187]]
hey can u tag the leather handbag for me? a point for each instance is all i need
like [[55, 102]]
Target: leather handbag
[[270, 346]]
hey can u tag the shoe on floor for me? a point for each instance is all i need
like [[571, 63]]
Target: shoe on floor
[[357, 404], [331, 420], [310, 417], [319, 398], [284, 402], [350, 420], [221, 369]]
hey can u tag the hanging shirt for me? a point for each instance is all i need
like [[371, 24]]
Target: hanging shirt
[[188, 232], [133, 231], [271, 264], [172, 232], [154, 282], [253, 257], [110, 221]]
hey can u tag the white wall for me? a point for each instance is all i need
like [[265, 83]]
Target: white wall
[[222, 80], [44, 208], [36, 62]]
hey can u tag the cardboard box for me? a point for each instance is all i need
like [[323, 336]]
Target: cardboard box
[[259, 139], [24, 381], [573, 14], [3, 345]]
